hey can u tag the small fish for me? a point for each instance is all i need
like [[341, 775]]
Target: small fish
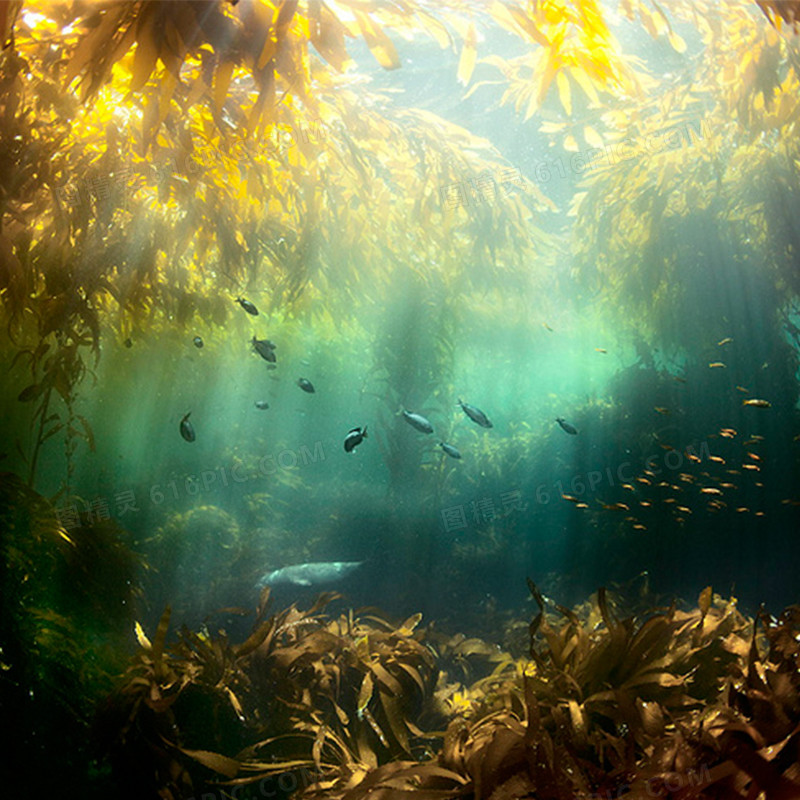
[[679, 379], [710, 490], [547, 327], [475, 414], [751, 467], [754, 401], [601, 349], [581, 505], [644, 481], [565, 426], [262, 404], [306, 385], [754, 456], [616, 507], [354, 438], [187, 430], [726, 340], [645, 503], [639, 528], [716, 365], [247, 306], [450, 450], [629, 487], [128, 343], [570, 497], [728, 433], [198, 342], [717, 459], [661, 409], [265, 348], [743, 389], [417, 421]]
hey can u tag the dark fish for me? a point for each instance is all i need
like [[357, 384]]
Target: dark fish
[[265, 348], [128, 343], [475, 414], [262, 404], [306, 385], [354, 438], [187, 431], [450, 450], [571, 429], [247, 306], [417, 421], [198, 342]]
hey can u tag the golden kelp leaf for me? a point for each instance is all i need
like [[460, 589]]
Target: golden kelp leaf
[[222, 80], [327, 35], [161, 634], [8, 15], [379, 43], [469, 54], [571, 143], [365, 693], [228, 767], [434, 28], [407, 628], [141, 637], [704, 601], [564, 92], [678, 44], [585, 82], [146, 54], [592, 137], [85, 52]]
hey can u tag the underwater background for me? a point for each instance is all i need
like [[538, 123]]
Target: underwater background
[[400, 399]]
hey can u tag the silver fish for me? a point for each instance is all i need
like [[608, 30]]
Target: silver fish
[[475, 414], [263, 405], [312, 574], [417, 421]]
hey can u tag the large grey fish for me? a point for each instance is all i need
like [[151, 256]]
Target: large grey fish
[[417, 421], [475, 414], [312, 574]]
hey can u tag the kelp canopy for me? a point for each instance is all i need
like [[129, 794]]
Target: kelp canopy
[[147, 178]]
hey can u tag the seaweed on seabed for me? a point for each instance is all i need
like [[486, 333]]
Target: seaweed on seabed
[[671, 703], [65, 596], [337, 695]]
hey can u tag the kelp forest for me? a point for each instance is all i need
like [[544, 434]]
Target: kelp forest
[[400, 399]]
